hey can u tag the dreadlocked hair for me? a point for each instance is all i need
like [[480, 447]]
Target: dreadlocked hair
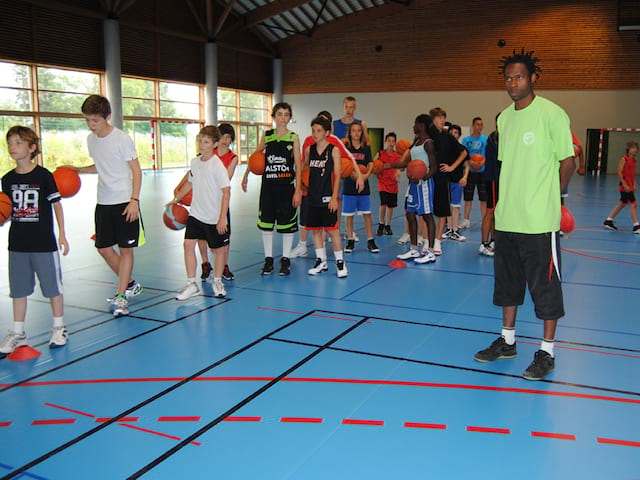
[[526, 58]]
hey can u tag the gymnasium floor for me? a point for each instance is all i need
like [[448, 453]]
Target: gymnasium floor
[[368, 377]]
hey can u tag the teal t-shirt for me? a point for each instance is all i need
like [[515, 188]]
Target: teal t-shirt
[[532, 143]]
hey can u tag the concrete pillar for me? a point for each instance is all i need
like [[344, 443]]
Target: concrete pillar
[[277, 80], [113, 73], [211, 83]]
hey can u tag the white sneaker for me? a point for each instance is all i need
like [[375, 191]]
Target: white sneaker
[[465, 223], [404, 238], [12, 341], [58, 337], [437, 247], [355, 237], [447, 233], [218, 289], [485, 250], [319, 267], [300, 250], [341, 269], [413, 253], [190, 290], [120, 306], [420, 239], [428, 258], [456, 236], [133, 290]]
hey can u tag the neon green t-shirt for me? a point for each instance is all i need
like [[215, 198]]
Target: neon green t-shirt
[[532, 143]]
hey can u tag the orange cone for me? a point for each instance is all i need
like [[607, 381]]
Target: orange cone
[[24, 352], [397, 264]]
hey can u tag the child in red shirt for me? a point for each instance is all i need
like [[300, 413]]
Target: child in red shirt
[[626, 187], [388, 184]]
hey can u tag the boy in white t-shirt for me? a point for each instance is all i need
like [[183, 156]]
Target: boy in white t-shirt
[[117, 216], [209, 181]]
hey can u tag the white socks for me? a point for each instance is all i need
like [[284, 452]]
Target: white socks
[[287, 243], [18, 327], [267, 243], [509, 335], [547, 346]]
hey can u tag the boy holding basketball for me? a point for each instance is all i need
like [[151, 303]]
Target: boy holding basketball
[[209, 181], [117, 216], [32, 243]]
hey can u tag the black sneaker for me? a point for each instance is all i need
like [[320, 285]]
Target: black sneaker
[[387, 230], [608, 224], [285, 266], [226, 273], [206, 271], [380, 231], [371, 245], [267, 268], [351, 244], [541, 366], [636, 229], [498, 349]]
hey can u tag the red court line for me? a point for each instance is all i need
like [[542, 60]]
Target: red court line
[[178, 419], [242, 419], [598, 258], [146, 430], [5, 424], [504, 431], [559, 436], [123, 419], [584, 350], [488, 388], [613, 441], [301, 420], [355, 421], [69, 410], [60, 421], [437, 426]]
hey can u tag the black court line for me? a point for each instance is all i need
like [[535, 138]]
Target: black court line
[[319, 349], [149, 400], [109, 347], [455, 367], [491, 332]]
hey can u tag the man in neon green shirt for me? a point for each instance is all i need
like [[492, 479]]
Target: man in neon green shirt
[[537, 161]]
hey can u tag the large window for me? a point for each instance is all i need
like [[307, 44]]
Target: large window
[[163, 118]]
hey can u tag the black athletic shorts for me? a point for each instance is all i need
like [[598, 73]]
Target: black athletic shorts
[[441, 196], [197, 230], [492, 193], [531, 260], [627, 198], [113, 229], [475, 179], [276, 209], [388, 199], [304, 210], [321, 217]]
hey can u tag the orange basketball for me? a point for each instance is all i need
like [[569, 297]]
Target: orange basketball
[[304, 176], [402, 145], [6, 207], [175, 217], [416, 170], [67, 181], [477, 161], [378, 166], [186, 200], [363, 169], [256, 163], [346, 167]]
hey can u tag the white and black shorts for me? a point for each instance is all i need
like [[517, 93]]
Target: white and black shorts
[[112, 227]]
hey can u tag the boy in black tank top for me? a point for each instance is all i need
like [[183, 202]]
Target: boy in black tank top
[[323, 161]]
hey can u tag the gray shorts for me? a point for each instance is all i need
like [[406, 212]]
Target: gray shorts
[[23, 268]]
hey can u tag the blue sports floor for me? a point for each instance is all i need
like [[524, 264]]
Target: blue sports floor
[[298, 377]]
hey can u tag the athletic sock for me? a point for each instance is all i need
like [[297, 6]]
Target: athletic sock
[[267, 243], [287, 243], [191, 280], [339, 255], [509, 335], [609, 219], [18, 327], [547, 346], [321, 253], [58, 322]]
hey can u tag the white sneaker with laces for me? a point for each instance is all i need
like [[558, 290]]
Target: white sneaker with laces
[[133, 290], [456, 236], [12, 341], [465, 224], [319, 267], [447, 233], [429, 257], [420, 239], [404, 238], [300, 250], [341, 269], [412, 253], [437, 247], [485, 250], [190, 290], [218, 289], [59, 337], [120, 306]]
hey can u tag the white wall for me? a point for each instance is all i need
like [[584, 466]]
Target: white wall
[[397, 110]]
